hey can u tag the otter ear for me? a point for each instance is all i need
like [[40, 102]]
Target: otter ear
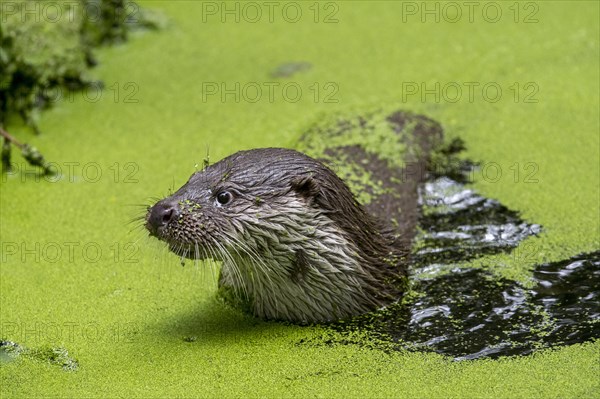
[[305, 186]]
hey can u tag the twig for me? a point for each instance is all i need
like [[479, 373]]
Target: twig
[[10, 138], [30, 153]]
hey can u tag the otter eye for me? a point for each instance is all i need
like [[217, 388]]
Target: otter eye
[[224, 197]]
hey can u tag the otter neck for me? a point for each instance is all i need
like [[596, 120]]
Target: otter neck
[[306, 274]]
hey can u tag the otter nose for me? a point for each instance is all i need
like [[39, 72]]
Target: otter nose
[[160, 215]]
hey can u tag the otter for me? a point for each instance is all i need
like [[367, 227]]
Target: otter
[[294, 242], [298, 241], [297, 245]]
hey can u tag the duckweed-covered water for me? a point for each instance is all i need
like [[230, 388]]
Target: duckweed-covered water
[[145, 327]]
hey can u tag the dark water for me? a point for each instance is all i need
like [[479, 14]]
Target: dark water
[[469, 313], [458, 225]]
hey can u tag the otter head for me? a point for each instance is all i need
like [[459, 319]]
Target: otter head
[[294, 242]]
